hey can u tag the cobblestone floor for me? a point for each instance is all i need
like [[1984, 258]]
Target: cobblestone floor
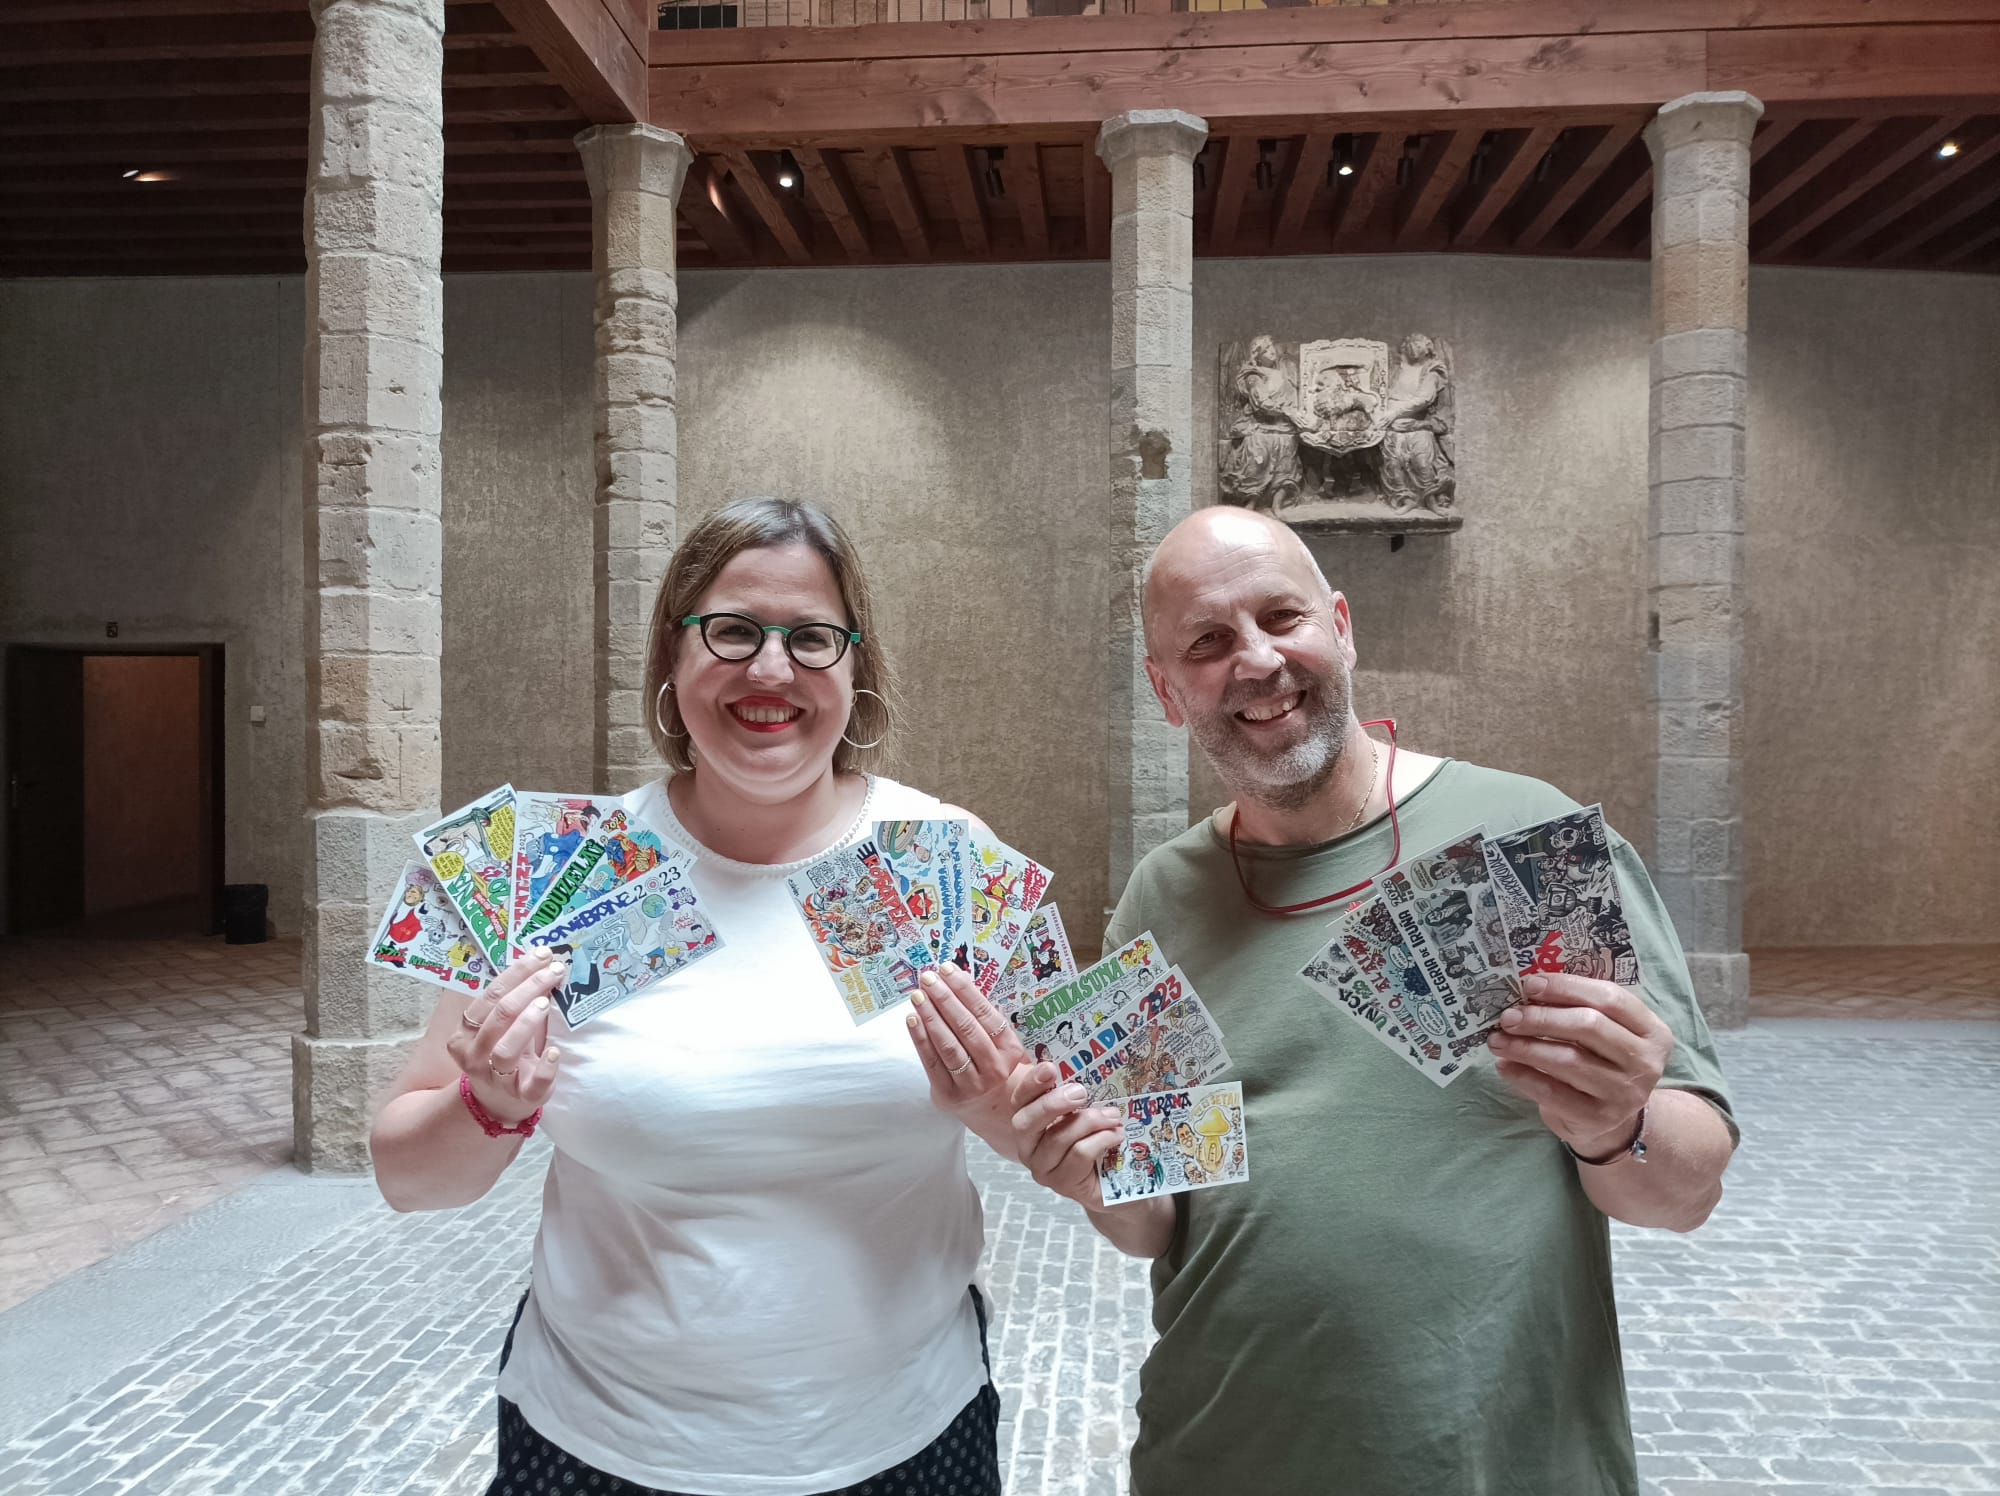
[[1835, 1329]]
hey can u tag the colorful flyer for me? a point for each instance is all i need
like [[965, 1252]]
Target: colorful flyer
[[1177, 1141], [932, 861], [1131, 986], [1007, 888], [472, 852], [1041, 961], [549, 829], [633, 938], [421, 935], [861, 928], [616, 843]]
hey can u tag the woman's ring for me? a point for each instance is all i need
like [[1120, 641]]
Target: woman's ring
[[502, 1074], [960, 1069], [475, 1024]]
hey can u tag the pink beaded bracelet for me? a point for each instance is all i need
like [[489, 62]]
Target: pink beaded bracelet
[[494, 1129]]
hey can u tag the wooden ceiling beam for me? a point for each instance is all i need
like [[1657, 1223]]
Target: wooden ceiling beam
[[706, 205], [1305, 169], [1969, 246], [961, 185], [281, 111], [1880, 211], [839, 204], [898, 186], [1528, 148], [1889, 150], [1440, 173], [1239, 156], [488, 67], [167, 150], [778, 207], [213, 38], [1605, 209], [1304, 26], [1799, 167], [585, 47], [1972, 200], [1031, 197], [1373, 184], [1611, 143], [39, 12]]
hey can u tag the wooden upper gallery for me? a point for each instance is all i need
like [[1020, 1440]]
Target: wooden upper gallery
[[1500, 126]]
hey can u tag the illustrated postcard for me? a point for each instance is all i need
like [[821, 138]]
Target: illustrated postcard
[[1180, 1048], [421, 935], [861, 928], [1007, 888], [1177, 1141], [548, 831], [637, 935], [932, 861], [1132, 985], [472, 852], [1574, 917]]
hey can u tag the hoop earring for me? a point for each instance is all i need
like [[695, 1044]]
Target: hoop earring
[[660, 700], [864, 691]]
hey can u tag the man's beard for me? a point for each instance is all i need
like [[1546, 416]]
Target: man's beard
[[1284, 778]]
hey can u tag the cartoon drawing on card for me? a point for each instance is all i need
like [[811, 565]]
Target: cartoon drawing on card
[[422, 935], [472, 852], [1007, 888], [1176, 1141], [1564, 869], [861, 928], [932, 861], [633, 938], [549, 829]]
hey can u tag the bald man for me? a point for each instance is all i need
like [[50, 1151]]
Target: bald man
[[1412, 1293]]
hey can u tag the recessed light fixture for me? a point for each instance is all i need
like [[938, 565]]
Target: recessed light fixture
[[786, 179], [788, 171], [1948, 149], [131, 174], [1346, 169]]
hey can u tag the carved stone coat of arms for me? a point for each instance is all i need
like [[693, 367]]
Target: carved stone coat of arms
[[1339, 434]]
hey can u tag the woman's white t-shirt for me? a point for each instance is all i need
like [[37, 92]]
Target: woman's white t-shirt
[[758, 1234]]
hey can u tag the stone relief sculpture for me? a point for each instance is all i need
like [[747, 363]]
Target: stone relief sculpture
[[1339, 433]]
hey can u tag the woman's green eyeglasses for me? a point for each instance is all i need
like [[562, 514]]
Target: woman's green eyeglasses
[[737, 636]]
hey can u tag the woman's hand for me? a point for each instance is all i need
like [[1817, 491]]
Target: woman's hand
[[969, 1050], [501, 1042]]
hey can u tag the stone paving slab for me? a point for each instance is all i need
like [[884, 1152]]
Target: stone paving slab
[[1836, 1328]]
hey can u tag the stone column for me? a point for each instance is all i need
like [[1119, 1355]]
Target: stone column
[[1150, 154], [1701, 276], [635, 174], [374, 550]]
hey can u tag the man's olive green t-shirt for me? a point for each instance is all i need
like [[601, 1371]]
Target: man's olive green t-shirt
[[1411, 1294]]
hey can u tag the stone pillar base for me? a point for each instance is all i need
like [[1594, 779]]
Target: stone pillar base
[[1722, 987], [335, 1086]]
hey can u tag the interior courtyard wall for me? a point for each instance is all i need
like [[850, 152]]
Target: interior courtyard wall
[[150, 476], [955, 417], [1872, 547]]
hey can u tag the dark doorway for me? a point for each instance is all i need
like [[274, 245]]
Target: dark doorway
[[114, 762]]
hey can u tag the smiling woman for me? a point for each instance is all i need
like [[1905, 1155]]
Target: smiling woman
[[758, 1241]]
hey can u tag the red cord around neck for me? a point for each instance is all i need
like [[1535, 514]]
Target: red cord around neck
[[1396, 851]]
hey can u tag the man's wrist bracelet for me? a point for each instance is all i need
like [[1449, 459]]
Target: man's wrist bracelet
[[493, 1126], [1635, 1147]]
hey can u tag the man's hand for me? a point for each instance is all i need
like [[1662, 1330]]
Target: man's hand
[[1588, 1053]]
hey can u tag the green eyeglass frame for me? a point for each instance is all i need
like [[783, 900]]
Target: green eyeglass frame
[[838, 637]]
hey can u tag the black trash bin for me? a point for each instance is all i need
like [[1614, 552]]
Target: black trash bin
[[243, 906]]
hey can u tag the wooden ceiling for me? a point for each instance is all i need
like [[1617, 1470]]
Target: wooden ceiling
[[1468, 132], [214, 94]]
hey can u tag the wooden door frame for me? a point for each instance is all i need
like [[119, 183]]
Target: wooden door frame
[[209, 755]]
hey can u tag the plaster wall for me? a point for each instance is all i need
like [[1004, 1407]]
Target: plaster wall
[[954, 418]]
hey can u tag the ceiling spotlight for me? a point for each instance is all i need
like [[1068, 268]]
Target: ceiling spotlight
[[788, 171], [1345, 169], [1341, 163], [1948, 149], [156, 176], [786, 179], [129, 175]]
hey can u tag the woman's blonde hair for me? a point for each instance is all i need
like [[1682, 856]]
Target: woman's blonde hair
[[759, 524]]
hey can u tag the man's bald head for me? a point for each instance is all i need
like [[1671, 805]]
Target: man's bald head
[[1209, 538]]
